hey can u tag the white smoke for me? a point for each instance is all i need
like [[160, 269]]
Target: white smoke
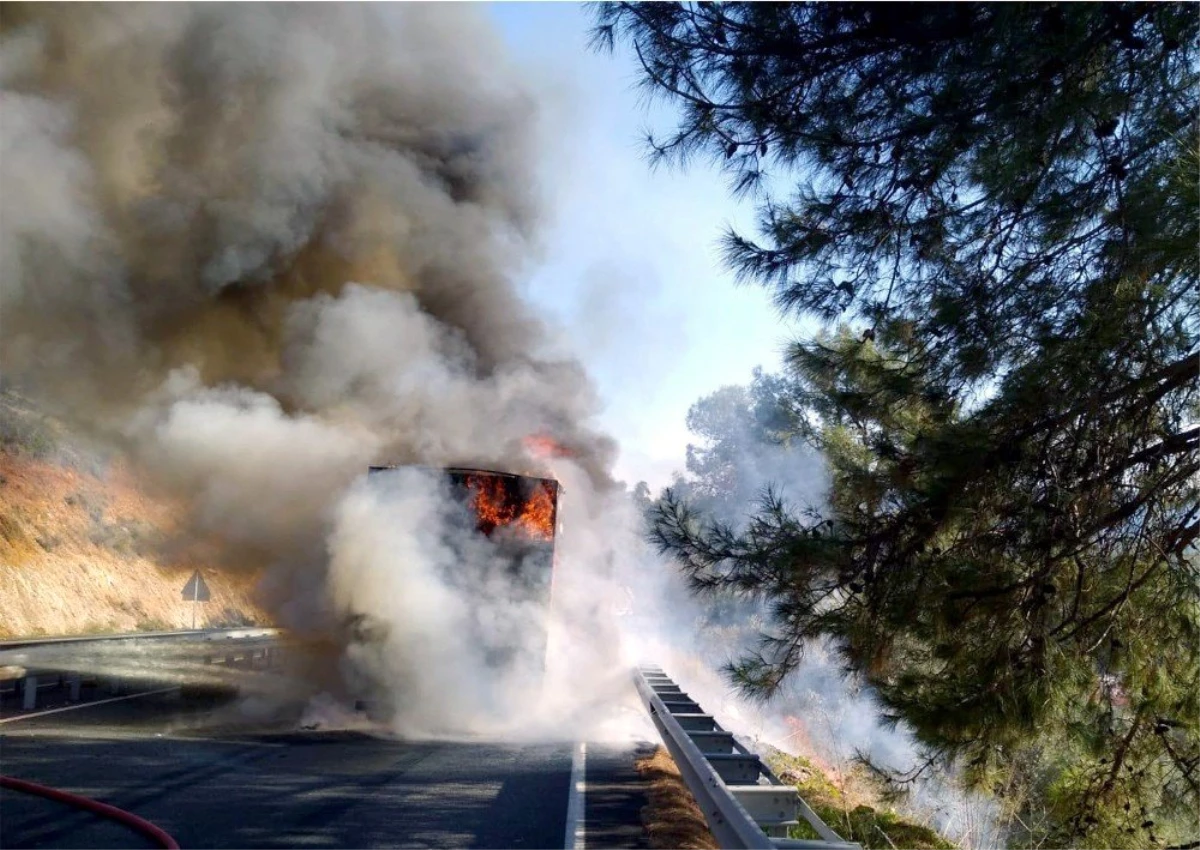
[[404, 555], [821, 711]]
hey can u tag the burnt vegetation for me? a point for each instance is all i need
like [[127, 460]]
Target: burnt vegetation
[[993, 210]]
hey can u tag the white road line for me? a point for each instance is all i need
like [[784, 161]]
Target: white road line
[[573, 839], [85, 705]]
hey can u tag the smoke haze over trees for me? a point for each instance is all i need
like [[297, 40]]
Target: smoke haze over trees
[[743, 454], [994, 211], [745, 445], [747, 452]]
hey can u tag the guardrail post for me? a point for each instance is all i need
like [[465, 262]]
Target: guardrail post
[[29, 693], [73, 683]]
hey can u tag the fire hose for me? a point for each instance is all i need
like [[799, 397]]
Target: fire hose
[[154, 833]]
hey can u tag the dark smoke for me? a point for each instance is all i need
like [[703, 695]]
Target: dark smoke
[[259, 247]]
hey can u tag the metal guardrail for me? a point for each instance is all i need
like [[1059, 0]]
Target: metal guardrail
[[205, 634], [745, 804], [19, 657]]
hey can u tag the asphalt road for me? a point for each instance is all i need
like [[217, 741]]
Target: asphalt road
[[157, 757]]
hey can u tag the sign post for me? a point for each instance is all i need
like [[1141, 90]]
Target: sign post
[[197, 591]]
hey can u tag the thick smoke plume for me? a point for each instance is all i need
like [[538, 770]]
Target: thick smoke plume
[[262, 246]]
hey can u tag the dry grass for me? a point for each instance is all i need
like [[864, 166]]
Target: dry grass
[[81, 554], [672, 818], [852, 805], [16, 546]]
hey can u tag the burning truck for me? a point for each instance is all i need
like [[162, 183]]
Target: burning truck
[[517, 516]]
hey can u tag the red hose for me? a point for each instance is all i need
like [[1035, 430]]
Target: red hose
[[121, 816]]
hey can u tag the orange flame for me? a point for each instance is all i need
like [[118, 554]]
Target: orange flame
[[537, 517], [495, 508], [490, 502], [544, 446]]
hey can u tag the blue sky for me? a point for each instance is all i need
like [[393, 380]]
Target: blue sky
[[629, 268]]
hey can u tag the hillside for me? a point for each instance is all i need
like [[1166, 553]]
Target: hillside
[[83, 544]]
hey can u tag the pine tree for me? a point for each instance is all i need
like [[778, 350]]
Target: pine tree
[[743, 437], [994, 208]]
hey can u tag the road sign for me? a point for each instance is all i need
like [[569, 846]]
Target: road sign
[[196, 590]]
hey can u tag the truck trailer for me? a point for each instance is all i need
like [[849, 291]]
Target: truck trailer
[[518, 515]]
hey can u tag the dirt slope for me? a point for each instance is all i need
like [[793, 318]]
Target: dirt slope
[[82, 545]]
